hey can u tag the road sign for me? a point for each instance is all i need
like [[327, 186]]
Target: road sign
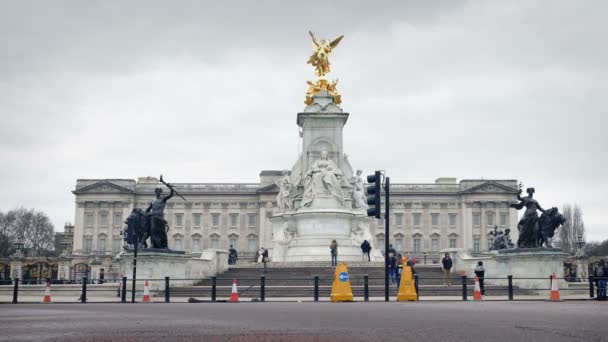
[[343, 276]]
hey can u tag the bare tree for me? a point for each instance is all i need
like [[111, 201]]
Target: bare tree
[[572, 230], [31, 227]]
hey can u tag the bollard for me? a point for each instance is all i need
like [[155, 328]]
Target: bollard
[[213, 288], [316, 288], [167, 293], [591, 287], [416, 286], [464, 287], [16, 291], [366, 288], [123, 295], [83, 296], [262, 288], [510, 279]]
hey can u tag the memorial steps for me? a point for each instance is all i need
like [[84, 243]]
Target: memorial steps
[[288, 280]]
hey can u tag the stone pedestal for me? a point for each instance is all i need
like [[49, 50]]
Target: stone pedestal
[[521, 263], [63, 269], [183, 269], [16, 267], [305, 235]]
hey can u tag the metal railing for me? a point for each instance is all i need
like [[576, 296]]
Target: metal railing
[[314, 287]]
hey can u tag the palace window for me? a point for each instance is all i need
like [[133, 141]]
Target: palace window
[[399, 219], [215, 243], [196, 219], [399, 245], [103, 219], [179, 220], [490, 219], [476, 219], [215, 220], [117, 245], [452, 243], [117, 219], [252, 220], [88, 245], [452, 220], [196, 245], [434, 220], [503, 219], [416, 245], [233, 242], [178, 244], [476, 245], [490, 242], [380, 242], [252, 244], [234, 220], [416, 220], [101, 245], [89, 220], [435, 245]]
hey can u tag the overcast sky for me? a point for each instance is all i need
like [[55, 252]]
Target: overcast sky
[[208, 91]]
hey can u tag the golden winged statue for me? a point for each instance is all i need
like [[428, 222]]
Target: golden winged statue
[[322, 49], [320, 60]]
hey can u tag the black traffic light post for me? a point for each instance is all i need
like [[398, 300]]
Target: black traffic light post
[[373, 200]]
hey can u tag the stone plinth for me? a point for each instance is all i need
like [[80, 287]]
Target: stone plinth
[[519, 262], [305, 235], [183, 269]]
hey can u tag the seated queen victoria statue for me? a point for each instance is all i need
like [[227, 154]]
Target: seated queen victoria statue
[[323, 178]]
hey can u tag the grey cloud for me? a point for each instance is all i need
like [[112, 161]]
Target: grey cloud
[[468, 89]]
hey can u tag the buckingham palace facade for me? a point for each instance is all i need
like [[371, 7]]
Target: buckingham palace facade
[[425, 218]]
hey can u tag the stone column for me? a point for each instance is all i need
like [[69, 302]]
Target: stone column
[[63, 272], [467, 224], [483, 239]]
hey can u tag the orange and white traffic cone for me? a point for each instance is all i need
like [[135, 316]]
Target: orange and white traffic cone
[[47, 293], [234, 296], [554, 289], [477, 291], [146, 292]]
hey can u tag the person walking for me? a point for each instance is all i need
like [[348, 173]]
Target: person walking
[[480, 272], [265, 259], [366, 248], [333, 249], [392, 268], [600, 273], [446, 263], [232, 255]]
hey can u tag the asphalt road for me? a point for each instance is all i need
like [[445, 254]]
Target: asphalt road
[[422, 321]]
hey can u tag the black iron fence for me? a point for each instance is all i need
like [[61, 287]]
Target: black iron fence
[[217, 289]]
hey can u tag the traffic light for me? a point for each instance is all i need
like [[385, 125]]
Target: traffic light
[[374, 191]]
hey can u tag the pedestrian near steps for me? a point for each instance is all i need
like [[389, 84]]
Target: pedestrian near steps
[[446, 264], [333, 249], [366, 248], [480, 272]]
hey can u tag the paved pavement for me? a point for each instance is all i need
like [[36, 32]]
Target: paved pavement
[[426, 321]]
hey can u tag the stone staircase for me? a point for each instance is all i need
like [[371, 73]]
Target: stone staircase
[[288, 280]]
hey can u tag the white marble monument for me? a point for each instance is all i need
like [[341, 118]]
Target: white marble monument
[[321, 200]]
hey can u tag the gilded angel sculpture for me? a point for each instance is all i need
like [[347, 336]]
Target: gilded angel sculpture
[[322, 49]]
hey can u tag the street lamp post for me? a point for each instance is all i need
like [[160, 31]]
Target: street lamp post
[[425, 253]]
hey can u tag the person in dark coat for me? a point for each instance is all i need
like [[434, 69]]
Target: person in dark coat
[[446, 264], [333, 249], [601, 275], [366, 248], [480, 273], [265, 258]]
